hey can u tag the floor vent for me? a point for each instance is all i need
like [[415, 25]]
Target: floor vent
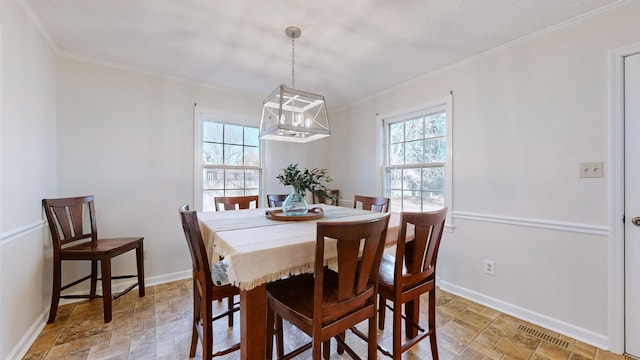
[[540, 335]]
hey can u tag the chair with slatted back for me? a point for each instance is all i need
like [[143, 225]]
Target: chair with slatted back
[[75, 239], [234, 202], [276, 200], [410, 274], [372, 203], [208, 286], [332, 200], [327, 303]]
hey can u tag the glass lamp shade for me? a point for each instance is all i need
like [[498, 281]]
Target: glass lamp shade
[[294, 115]]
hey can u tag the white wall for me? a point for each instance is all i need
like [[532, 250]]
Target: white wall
[[524, 117], [127, 138], [28, 167]]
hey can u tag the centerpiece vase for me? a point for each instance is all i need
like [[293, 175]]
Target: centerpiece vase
[[295, 204]]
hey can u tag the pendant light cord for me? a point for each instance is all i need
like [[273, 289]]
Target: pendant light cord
[[293, 63]]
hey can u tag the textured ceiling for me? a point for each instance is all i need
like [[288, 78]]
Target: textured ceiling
[[348, 50]]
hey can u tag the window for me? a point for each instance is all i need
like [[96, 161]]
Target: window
[[417, 158], [227, 159]]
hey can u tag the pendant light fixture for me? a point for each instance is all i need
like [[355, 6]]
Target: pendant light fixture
[[293, 115]]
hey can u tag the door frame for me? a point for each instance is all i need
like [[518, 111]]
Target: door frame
[[616, 195]]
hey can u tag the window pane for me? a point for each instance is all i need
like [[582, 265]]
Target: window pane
[[396, 154], [411, 182], [252, 179], [394, 178], [435, 150], [413, 129], [396, 133], [233, 155], [213, 179], [212, 153], [395, 200], [233, 134], [433, 200], [436, 125], [411, 201], [211, 132], [251, 136], [433, 178], [415, 152], [234, 179], [251, 156]]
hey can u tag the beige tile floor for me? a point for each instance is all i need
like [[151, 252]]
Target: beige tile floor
[[158, 326]]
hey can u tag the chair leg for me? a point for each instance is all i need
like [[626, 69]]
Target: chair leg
[[279, 337], [106, 288], [412, 311], [373, 340], [316, 348], [207, 329], [55, 292], [432, 324], [340, 346], [269, 334], [140, 265], [382, 302], [230, 306], [326, 349], [196, 317], [94, 278], [397, 330]]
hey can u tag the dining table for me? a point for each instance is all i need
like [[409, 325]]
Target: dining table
[[258, 248]]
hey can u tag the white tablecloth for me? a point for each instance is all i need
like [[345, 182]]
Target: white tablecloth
[[259, 250]]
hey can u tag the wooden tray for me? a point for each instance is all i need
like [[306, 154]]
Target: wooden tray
[[277, 214]]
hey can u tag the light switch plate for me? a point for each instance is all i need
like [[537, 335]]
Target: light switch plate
[[591, 169]]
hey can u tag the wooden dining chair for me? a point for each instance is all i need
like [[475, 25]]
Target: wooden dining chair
[[276, 200], [373, 203], [327, 303], [208, 286], [409, 274], [76, 239], [333, 200], [234, 202]]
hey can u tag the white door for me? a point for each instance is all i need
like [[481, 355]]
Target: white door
[[632, 204]]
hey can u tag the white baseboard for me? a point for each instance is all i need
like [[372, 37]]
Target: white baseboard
[[587, 336], [34, 331], [29, 337]]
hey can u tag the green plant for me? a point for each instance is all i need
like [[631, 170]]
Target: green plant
[[313, 180]]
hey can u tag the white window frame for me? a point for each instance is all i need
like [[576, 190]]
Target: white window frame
[[198, 167], [444, 104]]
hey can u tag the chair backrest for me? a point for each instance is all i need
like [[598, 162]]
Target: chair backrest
[[276, 200], [373, 203], [66, 218], [419, 255], [230, 202], [201, 267], [323, 200], [359, 248]]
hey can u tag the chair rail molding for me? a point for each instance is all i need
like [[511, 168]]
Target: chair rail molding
[[17, 233], [600, 230]]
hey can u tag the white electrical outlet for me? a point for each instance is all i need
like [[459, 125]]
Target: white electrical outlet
[[591, 169], [489, 267]]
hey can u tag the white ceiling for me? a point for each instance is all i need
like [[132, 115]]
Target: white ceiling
[[348, 50]]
